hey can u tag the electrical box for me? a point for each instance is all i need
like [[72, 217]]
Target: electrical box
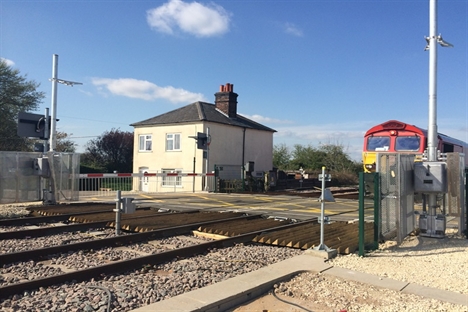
[[249, 166], [128, 205], [430, 177], [432, 226], [41, 167]]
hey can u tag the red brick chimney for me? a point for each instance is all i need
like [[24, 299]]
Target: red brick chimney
[[226, 100]]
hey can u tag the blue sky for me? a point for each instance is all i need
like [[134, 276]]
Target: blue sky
[[318, 72]]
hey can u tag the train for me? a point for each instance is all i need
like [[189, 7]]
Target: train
[[395, 136]]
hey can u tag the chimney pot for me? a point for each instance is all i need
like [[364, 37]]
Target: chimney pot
[[227, 103]]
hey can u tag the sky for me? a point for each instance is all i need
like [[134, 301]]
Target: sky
[[316, 71]]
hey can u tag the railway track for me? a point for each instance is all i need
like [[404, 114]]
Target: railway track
[[131, 264], [225, 229]]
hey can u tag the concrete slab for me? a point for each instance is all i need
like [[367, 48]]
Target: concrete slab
[[365, 278], [324, 254], [435, 293], [235, 291]]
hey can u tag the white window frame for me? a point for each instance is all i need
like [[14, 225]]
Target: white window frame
[[145, 143], [171, 181], [172, 142]]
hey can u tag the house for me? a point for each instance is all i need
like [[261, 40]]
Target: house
[[167, 143]]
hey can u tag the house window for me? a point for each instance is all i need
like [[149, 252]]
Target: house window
[[171, 180], [145, 142], [173, 142]]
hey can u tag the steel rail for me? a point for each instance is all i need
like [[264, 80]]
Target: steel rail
[[44, 231], [127, 265], [49, 219], [35, 220], [38, 254]]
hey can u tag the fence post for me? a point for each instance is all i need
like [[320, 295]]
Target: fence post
[[362, 215], [376, 209], [118, 202], [362, 191]]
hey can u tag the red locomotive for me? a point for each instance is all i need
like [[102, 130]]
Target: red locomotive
[[398, 137]]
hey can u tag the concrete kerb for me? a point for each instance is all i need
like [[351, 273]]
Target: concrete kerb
[[236, 291], [233, 292], [435, 293]]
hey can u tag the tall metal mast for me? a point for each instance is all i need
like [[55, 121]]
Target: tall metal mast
[[55, 80], [432, 142]]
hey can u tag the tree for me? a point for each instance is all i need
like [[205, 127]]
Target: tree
[[17, 94], [113, 150], [309, 158], [338, 160], [281, 157], [64, 144]]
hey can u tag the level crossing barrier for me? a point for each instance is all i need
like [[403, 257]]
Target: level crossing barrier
[[102, 184]]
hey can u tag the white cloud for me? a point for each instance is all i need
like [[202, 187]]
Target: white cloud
[[266, 120], [145, 90], [7, 61], [193, 18], [292, 29]]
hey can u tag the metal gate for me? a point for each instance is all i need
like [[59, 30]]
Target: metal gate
[[456, 197], [65, 175], [228, 178], [18, 183], [397, 194]]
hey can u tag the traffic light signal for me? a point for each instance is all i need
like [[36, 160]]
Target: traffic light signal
[[202, 141]]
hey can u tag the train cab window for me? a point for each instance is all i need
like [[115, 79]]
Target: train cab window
[[378, 143], [407, 143]]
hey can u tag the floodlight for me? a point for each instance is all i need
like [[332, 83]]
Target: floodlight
[[66, 82], [443, 43]]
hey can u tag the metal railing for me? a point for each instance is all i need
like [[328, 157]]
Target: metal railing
[[102, 184]]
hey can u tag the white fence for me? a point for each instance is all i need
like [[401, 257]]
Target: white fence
[[101, 184]]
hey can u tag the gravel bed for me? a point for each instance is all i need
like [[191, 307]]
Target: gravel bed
[[83, 259], [17, 245], [149, 284], [8, 211], [319, 292], [30, 270], [12, 228], [433, 262], [436, 263]]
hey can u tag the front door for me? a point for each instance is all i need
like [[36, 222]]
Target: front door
[[144, 181]]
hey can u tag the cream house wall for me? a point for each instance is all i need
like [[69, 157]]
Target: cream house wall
[[158, 158], [227, 146]]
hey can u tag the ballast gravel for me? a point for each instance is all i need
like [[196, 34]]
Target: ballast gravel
[[147, 285], [432, 262], [440, 263]]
